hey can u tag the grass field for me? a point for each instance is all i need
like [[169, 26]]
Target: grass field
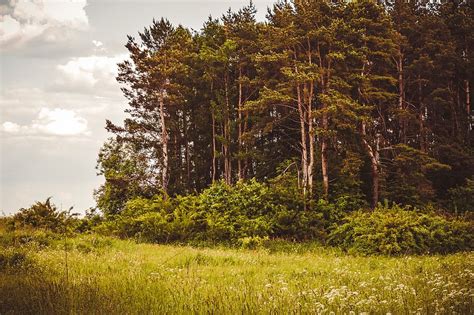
[[121, 277]]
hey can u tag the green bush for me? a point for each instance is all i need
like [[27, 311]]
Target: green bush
[[14, 259], [89, 222], [27, 238], [220, 214], [89, 243], [397, 231], [462, 197], [253, 242], [45, 216]]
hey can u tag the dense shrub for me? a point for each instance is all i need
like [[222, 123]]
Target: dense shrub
[[462, 197], [45, 215], [221, 213], [397, 231], [27, 238], [253, 242], [89, 244], [159, 219], [89, 222], [40, 215], [13, 260]]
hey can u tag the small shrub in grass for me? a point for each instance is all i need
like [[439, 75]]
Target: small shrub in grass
[[91, 243], [253, 242], [14, 259], [41, 215], [28, 238], [397, 231]]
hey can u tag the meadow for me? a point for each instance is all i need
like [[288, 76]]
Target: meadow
[[101, 275]]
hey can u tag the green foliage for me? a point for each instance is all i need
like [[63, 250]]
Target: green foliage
[[372, 94], [42, 215], [38, 238], [222, 214], [14, 260], [347, 192], [400, 231], [90, 221], [253, 242], [462, 197], [126, 176], [87, 244], [408, 180]]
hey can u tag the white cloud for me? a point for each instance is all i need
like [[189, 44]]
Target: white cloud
[[89, 72], [56, 122], [97, 43], [59, 121], [9, 28], [10, 127], [98, 46], [24, 20]]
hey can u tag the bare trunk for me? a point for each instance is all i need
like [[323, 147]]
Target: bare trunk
[[311, 138], [401, 98], [324, 139], [468, 109], [456, 134], [239, 106], [304, 153], [213, 146], [227, 153], [374, 162], [324, 162], [222, 162], [186, 151], [324, 146], [177, 153], [246, 160], [302, 117], [421, 118], [164, 143], [310, 124]]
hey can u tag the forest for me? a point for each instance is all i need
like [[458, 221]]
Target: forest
[[349, 100], [284, 127], [334, 133]]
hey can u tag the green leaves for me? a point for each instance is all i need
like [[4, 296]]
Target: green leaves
[[402, 231], [315, 83]]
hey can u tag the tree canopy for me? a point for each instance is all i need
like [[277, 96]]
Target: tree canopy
[[361, 100]]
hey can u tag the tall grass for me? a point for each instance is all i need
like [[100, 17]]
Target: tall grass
[[122, 277]]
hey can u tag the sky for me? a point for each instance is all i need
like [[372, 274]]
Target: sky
[[57, 87]]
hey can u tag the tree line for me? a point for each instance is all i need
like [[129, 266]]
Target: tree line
[[354, 100]]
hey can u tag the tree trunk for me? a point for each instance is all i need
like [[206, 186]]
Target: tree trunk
[[310, 123], [311, 138], [324, 162], [324, 146], [186, 150], [304, 153], [374, 163], [401, 98], [239, 106], [164, 143], [227, 136], [324, 139], [213, 147], [421, 118], [246, 160], [468, 110]]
